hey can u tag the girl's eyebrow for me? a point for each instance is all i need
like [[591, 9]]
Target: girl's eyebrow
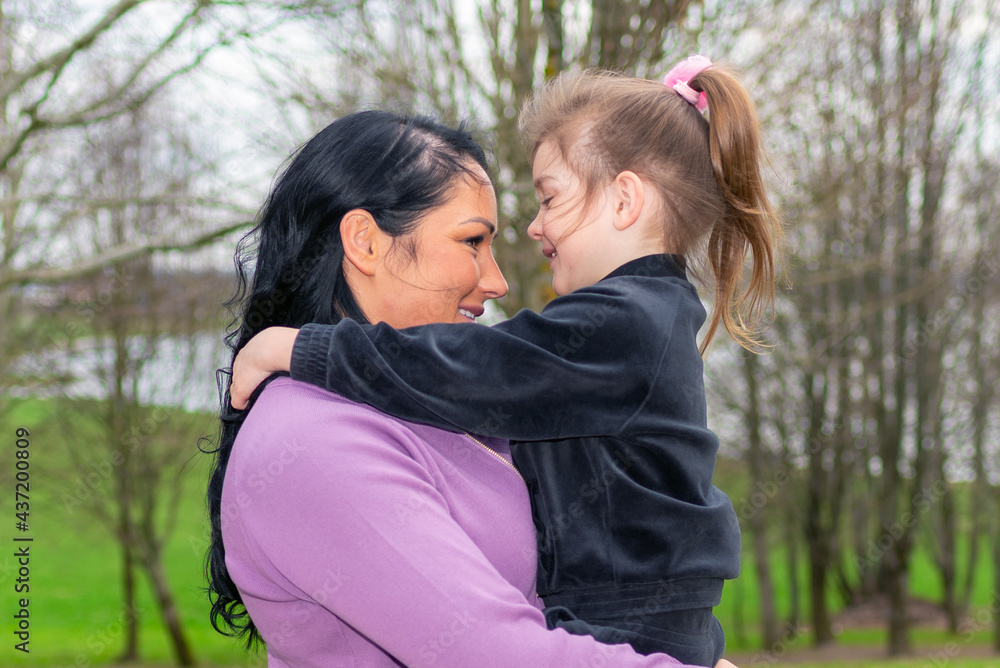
[[542, 179]]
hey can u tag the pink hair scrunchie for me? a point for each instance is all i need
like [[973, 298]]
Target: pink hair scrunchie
[[678, 78]]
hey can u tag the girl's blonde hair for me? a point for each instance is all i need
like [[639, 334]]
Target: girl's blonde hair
[[707, 172]]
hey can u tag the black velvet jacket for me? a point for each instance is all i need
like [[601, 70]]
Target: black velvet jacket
[[603, 394]]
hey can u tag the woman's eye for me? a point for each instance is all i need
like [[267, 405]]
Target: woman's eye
[[545, 202], [476, 240]]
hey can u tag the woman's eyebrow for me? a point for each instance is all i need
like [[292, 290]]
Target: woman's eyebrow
[[487, 223]]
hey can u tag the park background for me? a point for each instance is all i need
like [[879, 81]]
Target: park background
[[138, 138]]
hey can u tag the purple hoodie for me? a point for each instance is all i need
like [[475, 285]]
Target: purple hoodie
[[357, 539]]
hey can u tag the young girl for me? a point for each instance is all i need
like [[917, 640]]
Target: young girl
[[603, 390]]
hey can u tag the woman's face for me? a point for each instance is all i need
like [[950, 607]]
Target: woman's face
[[451, 272]]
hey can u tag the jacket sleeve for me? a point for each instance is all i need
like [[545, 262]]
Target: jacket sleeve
[[581, 367], [407, 576]]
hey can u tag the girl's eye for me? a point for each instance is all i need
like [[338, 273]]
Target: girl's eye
[[475, 241], [545, 202]]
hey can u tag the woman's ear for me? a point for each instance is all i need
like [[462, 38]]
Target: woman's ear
[[362, 240], [628, 197]]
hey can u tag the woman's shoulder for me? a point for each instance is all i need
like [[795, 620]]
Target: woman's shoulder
[[293, 407], [311, 434], [284, 392]]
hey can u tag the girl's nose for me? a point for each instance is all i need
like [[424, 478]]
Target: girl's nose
[[535, 228]]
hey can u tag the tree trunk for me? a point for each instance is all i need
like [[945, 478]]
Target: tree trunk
[[130, 652], [792, 545], [822, 628], [168, 609], [552, 16], [119, 422], [947, 558], [981, 358], [817, 539], [951, 604], [899, 638], [790, 531], [980, 485], [739, 621], [816, 500], [894, 572], [996, 569], [758, 528]]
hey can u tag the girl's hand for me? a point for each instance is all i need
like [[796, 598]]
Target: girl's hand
[[267, 352]]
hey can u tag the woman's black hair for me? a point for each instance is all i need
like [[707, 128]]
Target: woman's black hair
[[290, 265]]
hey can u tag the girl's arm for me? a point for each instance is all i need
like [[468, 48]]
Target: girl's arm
[[581, 367]]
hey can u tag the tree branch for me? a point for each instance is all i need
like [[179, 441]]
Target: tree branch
[[164, 242], [59, 59]]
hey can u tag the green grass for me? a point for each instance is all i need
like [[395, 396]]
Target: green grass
[[75, 598], [76, 589], [741, 598]]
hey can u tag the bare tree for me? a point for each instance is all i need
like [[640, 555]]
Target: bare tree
[[42, 102], [58, 80], [876, 126], [93, 195], [757, 461], [481, 61], [126, 316]]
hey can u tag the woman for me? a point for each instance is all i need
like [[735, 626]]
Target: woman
[[340, 535]]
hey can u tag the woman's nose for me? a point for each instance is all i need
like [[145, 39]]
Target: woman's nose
[[491, 280]]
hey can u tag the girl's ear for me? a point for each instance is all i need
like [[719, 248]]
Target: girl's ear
[[362, 239], [628, 197]]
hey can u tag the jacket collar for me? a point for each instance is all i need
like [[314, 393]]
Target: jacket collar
[[652, 265]]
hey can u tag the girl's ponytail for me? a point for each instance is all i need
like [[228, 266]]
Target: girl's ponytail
[[749, 222]]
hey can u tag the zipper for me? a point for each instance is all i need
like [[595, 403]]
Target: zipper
[[497, 455], [512, 467]]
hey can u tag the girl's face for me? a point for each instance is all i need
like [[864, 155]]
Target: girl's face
[[451, 271], [571, 236]]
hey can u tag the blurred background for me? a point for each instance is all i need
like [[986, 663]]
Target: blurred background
[[862, 453]]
